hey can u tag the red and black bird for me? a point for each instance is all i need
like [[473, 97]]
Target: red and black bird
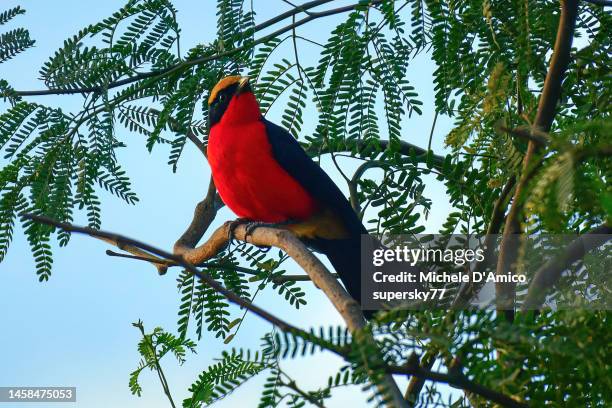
[[263, 175]]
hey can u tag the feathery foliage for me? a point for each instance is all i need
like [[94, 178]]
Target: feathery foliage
[[353, 101]]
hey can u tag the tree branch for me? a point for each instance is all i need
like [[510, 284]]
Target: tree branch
[[470, 289], [276, 279], [196, 61], [353, 184], [505, 292], [431, 133], [122, 242], [550, 273], [415, 385], [285, 240], [293, 386], [290, 13], [156, 363], [405, 149], [603, 3], [530, 135], [203, 215], [175, 126], [558, 65], [460, 381]]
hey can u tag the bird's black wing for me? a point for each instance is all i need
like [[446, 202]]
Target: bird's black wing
[[290, 155]]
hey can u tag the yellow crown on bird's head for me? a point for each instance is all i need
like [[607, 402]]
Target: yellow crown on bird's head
[[227, 82]]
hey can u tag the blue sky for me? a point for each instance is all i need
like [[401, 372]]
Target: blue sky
[[75, 330]]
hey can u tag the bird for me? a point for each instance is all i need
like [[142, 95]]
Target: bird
[[265, 177]]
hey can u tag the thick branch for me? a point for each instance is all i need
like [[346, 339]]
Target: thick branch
[[290, 244], [311, 264], [558, 65], [550, 273], [559, 61], [203, 216], [347, 306]]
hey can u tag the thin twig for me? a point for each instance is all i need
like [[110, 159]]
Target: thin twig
[[293, 386], [405, 148], [604, 3], [460, 381], [122, 241], [275, 279], [550, 273], [158, 367], [433, 127], [468, 290], [175, 126], [197, 61], [147, 258], [290, 13], [530, 135], [353, 184], [295, 52]]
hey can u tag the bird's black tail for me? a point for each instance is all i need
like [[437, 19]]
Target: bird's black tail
[[345, 257]]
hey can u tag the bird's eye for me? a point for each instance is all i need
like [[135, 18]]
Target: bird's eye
[[222, 97]]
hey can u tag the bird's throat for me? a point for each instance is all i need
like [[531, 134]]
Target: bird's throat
[[242, 109]]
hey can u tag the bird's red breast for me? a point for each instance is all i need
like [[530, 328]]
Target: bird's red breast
[[249, 180]]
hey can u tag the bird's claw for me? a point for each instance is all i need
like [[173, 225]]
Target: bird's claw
[[232, 227], [250, 227]]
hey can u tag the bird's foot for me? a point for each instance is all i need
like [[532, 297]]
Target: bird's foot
[[232, 227], [251, 226]]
